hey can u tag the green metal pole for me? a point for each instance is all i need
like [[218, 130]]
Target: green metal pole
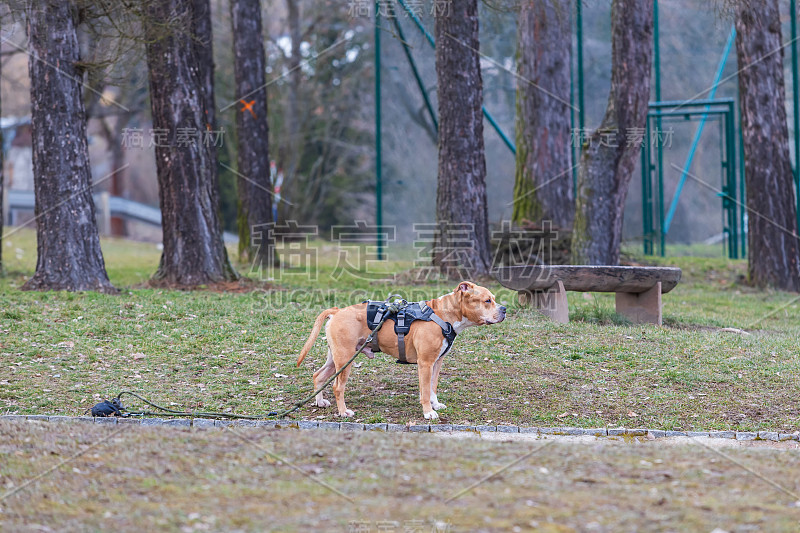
[[742, 189], [647, 196], [378, 147], [418, 23], [503, 137], [581, 107], [732, 178], [796, 105], [572, 114], [417, 76], [658, 147], [729, 200]]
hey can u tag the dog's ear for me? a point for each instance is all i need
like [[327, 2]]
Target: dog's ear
[[464, 286]]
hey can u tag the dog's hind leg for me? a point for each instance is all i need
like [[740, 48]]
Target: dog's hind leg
[[338, 391], [321, 376]]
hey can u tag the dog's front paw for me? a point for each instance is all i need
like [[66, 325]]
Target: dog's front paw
[[438, 406], [321, 402], [431, 416], [347, 413]]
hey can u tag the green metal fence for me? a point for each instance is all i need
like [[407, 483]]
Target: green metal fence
[[653, 208]]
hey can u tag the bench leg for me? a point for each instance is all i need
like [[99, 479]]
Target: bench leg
[[552, 302], [641, 308]]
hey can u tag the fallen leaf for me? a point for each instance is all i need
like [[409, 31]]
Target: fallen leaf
[[632, 414], [138, 356]]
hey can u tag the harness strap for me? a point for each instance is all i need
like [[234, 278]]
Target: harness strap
[[401, 348], [448, 331], [374, 346], [441, 323], [401, 328]]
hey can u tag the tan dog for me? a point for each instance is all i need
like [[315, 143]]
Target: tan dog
[[468, 305]]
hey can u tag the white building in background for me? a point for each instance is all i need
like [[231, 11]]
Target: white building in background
[[17, 165]]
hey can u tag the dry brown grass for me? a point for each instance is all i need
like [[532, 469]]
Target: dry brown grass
[[171, 479]]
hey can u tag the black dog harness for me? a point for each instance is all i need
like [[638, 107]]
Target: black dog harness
[[406, 314]]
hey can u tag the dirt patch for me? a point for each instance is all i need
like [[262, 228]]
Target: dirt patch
[[254, 479], [705, 442], [241, 285]]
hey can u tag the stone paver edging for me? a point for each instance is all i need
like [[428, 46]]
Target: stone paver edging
[[416, 428]]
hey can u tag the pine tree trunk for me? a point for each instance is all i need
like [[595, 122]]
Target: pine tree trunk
[[462, 247], [194, 253], [773, 255], [202, 38], [609, 155], [68, 245], [253, 185], [543, 184]]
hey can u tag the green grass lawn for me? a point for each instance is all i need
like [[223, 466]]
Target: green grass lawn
[[236, 352]]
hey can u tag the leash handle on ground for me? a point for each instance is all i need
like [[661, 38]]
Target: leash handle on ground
[[194, 414], [273, 414]]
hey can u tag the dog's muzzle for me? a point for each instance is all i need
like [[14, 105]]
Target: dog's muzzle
[[500, 314]]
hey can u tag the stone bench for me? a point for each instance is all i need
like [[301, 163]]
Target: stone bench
[[638, 289]]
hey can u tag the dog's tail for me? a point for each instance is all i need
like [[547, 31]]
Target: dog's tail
[[315, 332]]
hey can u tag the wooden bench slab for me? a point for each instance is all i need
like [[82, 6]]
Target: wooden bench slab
[[638, 289]]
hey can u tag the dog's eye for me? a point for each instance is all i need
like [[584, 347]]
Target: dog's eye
[[489, 301]]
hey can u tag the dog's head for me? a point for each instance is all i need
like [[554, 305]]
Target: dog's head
[[478, 304]]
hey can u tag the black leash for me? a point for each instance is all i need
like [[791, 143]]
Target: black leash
[[115, 407]]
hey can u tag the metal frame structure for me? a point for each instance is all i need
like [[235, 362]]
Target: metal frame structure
[[721, 108], [795, 55], [736, 249]]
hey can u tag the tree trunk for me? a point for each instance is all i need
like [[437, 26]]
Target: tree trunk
[[543, 184], [202, 38], [68, 245], [773, 256], [253, 185], [194, 253], [609, 155], [462, 246]]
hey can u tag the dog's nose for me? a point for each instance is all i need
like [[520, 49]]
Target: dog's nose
[[503, 309]]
